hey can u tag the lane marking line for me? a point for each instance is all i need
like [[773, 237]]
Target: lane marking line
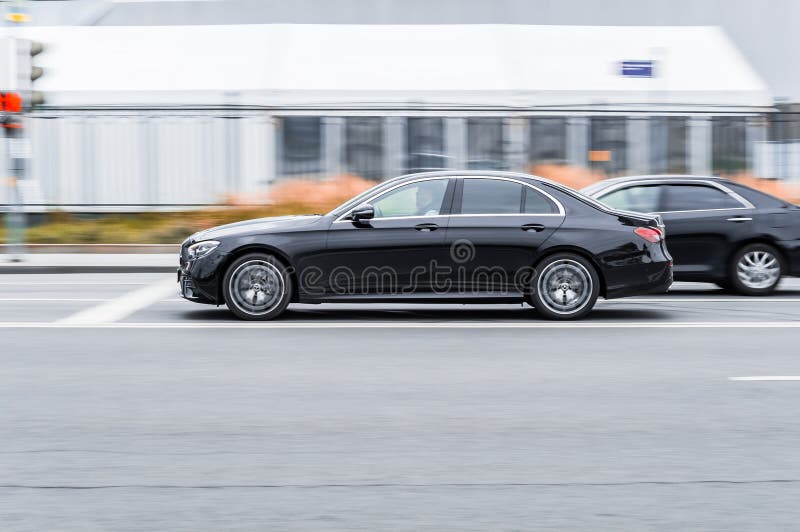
[[93, 321], [767, 378], [70, 283], [50, 299], [123, 306]]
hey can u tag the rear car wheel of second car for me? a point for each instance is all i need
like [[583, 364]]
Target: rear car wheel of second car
[[756, 270]]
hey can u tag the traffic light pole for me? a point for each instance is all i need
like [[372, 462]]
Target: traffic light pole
[[15, 217]]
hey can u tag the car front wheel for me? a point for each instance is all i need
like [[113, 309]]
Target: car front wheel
[[257, 287], [565, 287], [756, 270]]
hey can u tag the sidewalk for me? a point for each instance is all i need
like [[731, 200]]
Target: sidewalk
[[90, 263]]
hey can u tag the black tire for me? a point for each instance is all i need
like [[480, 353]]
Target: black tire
[[771, 276], [262, 277], [576, 274]]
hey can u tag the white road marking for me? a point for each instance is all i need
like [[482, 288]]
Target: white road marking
[[50, 299], [69, 283], [108, 324], [123, 306], [767, 378], [624, 301]]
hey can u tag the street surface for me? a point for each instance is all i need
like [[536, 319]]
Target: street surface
[[126, 408]]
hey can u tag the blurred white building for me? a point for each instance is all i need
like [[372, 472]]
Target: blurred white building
[[178, 115]]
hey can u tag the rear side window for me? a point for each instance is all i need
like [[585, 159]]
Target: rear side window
[[491, 196], [644, 198], [535, 202], [697, 198]]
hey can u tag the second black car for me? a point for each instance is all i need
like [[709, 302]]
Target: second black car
[[718, 230]]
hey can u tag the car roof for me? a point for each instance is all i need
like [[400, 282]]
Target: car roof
[[662, 177], [467, 173]]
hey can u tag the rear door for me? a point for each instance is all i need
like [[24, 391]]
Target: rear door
[[495, 230], [703, 222]]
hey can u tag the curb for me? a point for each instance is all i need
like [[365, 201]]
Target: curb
[[21, 268], [122, 249]]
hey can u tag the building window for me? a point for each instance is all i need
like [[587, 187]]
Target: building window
[[608, 145], [668, 145], [364, 146], [784, 126], [548, 140], [729, 144], [425, 144], [301, 141], [485, 144]]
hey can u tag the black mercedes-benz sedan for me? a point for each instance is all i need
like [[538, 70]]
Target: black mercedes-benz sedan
[[436, 237], [719, 231]]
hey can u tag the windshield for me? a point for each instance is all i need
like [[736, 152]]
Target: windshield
[[594, 187]]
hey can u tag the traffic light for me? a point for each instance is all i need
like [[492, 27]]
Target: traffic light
[[10, 102], [28, 72]]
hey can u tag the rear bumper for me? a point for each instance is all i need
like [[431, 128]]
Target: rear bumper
[[655, 280]]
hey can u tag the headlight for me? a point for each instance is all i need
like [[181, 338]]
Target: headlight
[[202, 249]]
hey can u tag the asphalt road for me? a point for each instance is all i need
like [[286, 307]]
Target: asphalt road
[[123, 408]]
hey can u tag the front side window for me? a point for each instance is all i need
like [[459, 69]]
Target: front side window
[[639, 199], [423, 198], [697, 198], [491, 196]]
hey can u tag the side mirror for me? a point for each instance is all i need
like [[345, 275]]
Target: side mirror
[[363, 212]]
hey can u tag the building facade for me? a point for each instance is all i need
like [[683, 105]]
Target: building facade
[[150, 118]]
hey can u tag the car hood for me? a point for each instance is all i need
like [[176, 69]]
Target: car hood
[[258, 225]]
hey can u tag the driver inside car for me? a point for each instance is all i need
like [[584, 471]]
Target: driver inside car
[[427, 204]]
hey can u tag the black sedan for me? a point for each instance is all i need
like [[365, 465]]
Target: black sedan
[[719, 231], [436, 237]]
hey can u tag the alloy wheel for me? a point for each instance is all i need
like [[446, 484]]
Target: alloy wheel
[[256, 287], [565, 286], [758, 269]]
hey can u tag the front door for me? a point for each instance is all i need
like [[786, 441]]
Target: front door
[[393, 253]]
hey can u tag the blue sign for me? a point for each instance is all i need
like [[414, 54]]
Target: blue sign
[[637, 69]]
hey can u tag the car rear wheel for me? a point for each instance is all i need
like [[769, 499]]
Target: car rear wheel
[[756, 270], [257, 287], [565, 287]]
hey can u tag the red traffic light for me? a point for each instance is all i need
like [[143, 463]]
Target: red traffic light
[[10, 102]]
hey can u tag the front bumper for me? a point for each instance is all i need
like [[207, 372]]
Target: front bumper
[[199, 279], [791, 250]]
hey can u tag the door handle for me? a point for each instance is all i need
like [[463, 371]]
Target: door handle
[[740, 219], [426, 227], [532, 227]]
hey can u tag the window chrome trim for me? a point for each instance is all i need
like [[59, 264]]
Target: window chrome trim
[[561, 210], [656, 182]]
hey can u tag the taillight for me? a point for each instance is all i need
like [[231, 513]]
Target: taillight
[[651, 234]]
